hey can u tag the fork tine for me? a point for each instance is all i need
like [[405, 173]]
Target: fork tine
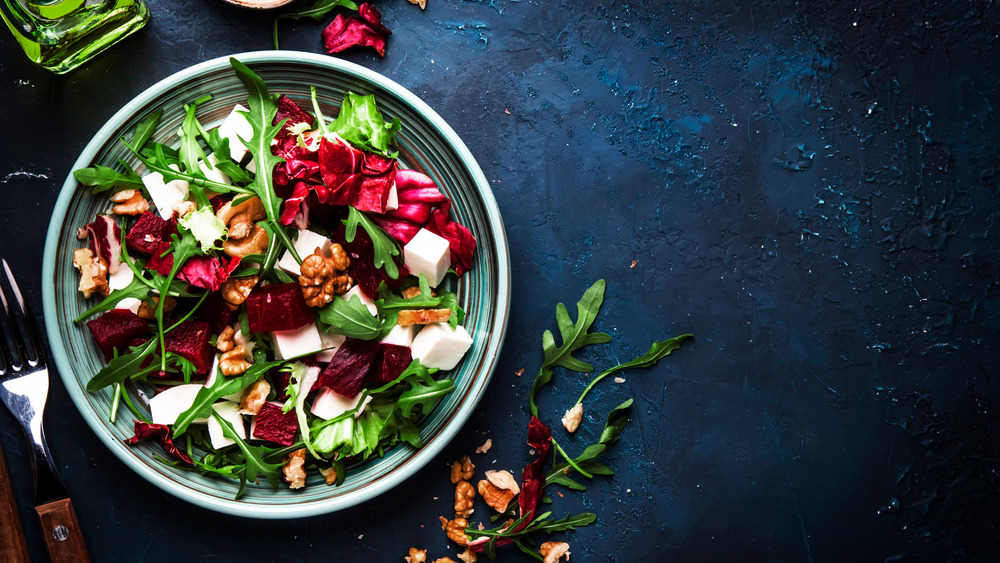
[[19, 323]]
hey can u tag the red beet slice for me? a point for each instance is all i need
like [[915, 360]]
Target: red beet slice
[[190, 341], [115, 329], [278, 306], [276, 426], [150, 234], [390, 363], [348, 369]]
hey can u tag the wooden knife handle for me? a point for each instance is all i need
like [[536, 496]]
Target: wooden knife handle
[[61, 532], [13, 547]]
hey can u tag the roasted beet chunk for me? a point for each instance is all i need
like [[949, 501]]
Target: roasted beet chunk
[[346, 372], [278, 307], [150, 234], [275, 426], [190, 341], [390, 363], [116, 329]]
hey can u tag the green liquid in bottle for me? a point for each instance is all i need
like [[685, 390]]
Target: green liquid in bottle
[[62, 34]]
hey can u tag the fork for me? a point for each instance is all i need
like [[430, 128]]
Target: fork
[[24, 387]]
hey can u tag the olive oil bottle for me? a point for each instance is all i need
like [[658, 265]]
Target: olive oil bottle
[[62, 34]]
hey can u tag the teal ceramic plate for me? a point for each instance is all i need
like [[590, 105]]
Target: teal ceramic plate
[[426, 143]]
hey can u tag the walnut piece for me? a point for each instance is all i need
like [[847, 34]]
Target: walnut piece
[[497, 498], [241, 218], [225, 341], [147, 310], [183, 207], [93, 273], [421, 3], [444, 560], [462, 470], [409, 317], [416, 555], [413, 291], [129, 202], [503, 480], [234, 362], [455, 529], [465, 494], [329, 473], [552, 551], [468, 556], [485, 447], [254, 397], [295, 474], [571, 420], [254, 243], [236, 290], [324, 278]]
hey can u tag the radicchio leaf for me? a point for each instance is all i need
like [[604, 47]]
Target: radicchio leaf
[[354, 177], [462, 243], [105, 238], [345, 32], [160, 433], [416, 187], [207, 272], [291, 112]]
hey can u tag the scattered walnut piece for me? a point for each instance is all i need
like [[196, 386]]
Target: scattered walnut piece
[[619, 380], [633, 264], [234, 362], [444, 560], [503, 480], [497, 498], [93, 273], [129, 202], [254, 397], [416, 555], [465, 494], [519, 372], [225, 341], [421, 3], [455, 529], [409, 317], [485, 447], [462, 470], [295, 474], [571, 420], [330, 474], [236, 290], [183, 207], [552, 551], [147, 310], [468, 556], [322, 279]]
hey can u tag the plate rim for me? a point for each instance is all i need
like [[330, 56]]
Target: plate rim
[[421, 457]]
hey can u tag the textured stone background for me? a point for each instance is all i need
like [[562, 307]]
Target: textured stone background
[[809, 188]]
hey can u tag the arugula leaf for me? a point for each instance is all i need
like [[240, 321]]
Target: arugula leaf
[[190, 151], [389, 301], [657, 352], [254, 456], [103, 178], [361, 124], [384, 245], [424, 391], [260, 115], [574, 337], [559, 474], [316, 11], [123, 367], [522, 538], [144, 129], [350, 318]]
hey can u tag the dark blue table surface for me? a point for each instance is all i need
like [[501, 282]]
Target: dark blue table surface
[[809, 188]]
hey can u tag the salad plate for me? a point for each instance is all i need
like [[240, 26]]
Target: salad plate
[[426, 143]]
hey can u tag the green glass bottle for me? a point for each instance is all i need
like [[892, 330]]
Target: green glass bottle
[[62, 34]]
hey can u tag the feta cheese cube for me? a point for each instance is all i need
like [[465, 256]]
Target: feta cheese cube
[[428, 254], [290, 344], [236, 128], [400, 336], [165, 194], [168, 404], [438, 346], [213, 173], [305, 245], [121, 278], [393, 201], [332, 342], [328, 404], [230, 411], [130, 303], [356, 290]]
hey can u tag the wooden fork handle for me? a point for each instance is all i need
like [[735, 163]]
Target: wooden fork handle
[[61, 532], [14, 546]]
